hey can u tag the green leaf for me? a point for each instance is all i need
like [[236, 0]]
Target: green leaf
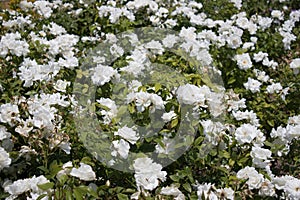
[[131, 109], [271, 123], [63, 178], [93, 193], [224, 154], [122, 197], [231, 80], [198, 141], [46, 186], [87, 160], [157, 87], [187, 187], [54, 169], [41, 196], [243, 160], [78, 194], [175, 178], [69, 195], [174, 122]]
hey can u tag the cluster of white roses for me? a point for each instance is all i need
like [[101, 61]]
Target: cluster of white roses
[[26, 116], [209, 191], [26, 185]]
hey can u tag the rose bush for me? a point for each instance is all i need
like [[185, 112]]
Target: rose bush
[[150, 99]]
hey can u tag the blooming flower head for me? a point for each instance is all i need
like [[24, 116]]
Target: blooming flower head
[[254, 179], [166, 117], [292, 189], [174, 191], [4, 159], [295, 65], [103, 74], [128, 134], [84, 172], [61, 85], [4, 134], [121, 148], [243, 61], [260, 156], [8, 112], [252, 85], [148, 173], [112, 110], [277, 14], [24, 185], [246, 133], [190, 94], [274, 88]]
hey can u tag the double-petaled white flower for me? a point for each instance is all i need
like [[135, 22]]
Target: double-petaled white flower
[[243, 61], [8, 112], [128, 134], [120, 148], [260, 156], [252, 85], [254, 179], [246, 133], [148, 173], [103, 74], [84, 172], [4, 159]]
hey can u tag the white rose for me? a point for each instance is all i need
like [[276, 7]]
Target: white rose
[[252, 85], [3, 133], [147, 173], [84, 172], [8, 112], [61, 85], [128, 134], [4, 159], [168, 116], [260, 153], [246, 133], [190, 94], [292, 189], [120, 147], [243, 61]]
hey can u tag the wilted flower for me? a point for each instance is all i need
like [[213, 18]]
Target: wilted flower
[[206, 191], [267, 189], [225, 193]]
